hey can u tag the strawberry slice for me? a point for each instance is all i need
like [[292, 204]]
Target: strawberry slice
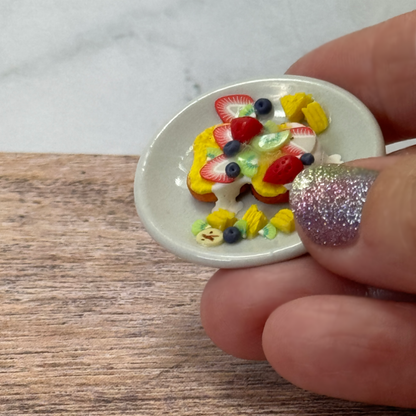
[[222, 134], [214, 170], [289, 126], [283, 170], [303, 137], [229, 106], [244, 129], [292, 149]]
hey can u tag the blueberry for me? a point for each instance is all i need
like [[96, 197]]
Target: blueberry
[[307, 159], [232, 170], [232, 148], [263, 106], [231, 235]]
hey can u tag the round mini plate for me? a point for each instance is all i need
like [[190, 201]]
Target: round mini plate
[[165, 205]]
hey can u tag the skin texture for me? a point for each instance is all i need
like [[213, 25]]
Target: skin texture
[[318, 319]]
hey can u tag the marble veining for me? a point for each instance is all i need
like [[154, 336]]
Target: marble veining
[[103, 76]]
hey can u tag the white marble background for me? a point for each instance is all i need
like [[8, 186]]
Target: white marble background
[[102, 76]]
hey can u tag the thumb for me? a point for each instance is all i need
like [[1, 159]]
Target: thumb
[[360, 223]]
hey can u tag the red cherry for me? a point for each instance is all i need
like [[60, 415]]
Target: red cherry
[[283, 170], [244, 129]]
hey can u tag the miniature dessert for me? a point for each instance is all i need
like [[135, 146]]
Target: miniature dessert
[[250, 150], [243, 152]]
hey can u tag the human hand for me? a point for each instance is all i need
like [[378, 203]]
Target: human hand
[[318, 319]]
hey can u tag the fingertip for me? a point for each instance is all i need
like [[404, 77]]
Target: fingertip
[[351, 348], [236, 303], [360, 223], [227, 317], [376, 64]]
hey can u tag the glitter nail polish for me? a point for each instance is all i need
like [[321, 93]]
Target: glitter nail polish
[[328, 200]]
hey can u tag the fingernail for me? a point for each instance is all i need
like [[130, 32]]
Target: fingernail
[[328, 201]]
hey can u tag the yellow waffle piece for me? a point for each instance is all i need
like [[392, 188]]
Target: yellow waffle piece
[[284, 221], [316, 117], [256, 220], [293, 105], [221, 219]]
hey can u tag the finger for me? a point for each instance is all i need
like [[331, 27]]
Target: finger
[[380, 163], [359, 223], [376, 64], [236, 303], [347, 347]]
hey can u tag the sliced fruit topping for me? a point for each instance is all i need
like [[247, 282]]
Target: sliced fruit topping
[[284, 221], [222, 135], [244, 129], [210, 237], [213, 152], [198, 226], [232, 170], [232, 235], [303, 140], [214, 170], [228, 107], [316, 117], [292, 149], [221, 219], [307, 159], [247, 111], [303, 137], [256, 220], [288, 126], [263, 106], [249, 162], [293, 105], [269, 231], [270, 142], [283, 170], [242, 225], [271, 127], [232, 148]]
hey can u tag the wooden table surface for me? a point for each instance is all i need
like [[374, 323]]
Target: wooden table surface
[[97, 319]]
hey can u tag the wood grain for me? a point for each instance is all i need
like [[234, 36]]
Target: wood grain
[[97, 319]]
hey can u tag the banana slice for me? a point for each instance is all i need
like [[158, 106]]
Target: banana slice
[[210, 237]]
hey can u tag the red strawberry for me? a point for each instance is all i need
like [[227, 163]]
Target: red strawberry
[[283, 170], [229, 106], [222, 134], [214, 170], [244, 129]]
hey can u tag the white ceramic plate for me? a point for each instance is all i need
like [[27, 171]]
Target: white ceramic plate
[[166, 206]]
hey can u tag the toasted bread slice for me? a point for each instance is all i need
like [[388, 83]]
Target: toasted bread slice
[[209, 197], [278, 199]]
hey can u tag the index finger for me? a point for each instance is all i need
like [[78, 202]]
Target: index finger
[[377, 65]]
